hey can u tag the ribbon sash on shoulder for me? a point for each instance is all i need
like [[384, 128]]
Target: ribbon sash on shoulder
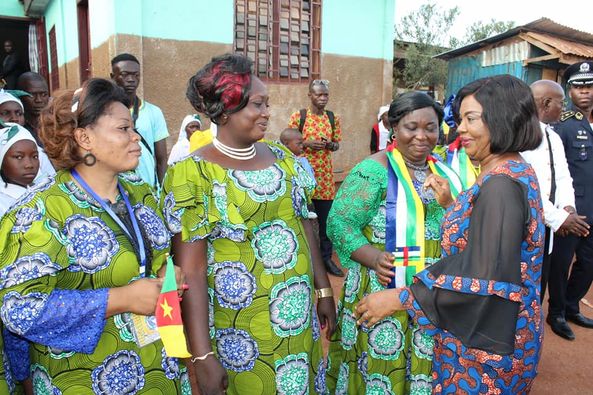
[[405, 216]]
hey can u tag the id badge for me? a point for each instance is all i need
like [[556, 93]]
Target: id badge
[[143, 328]]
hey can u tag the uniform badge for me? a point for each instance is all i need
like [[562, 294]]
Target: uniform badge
[[584, 68], [582, 135], [578, 116]]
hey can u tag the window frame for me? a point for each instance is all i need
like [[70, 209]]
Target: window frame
[[271, 55]]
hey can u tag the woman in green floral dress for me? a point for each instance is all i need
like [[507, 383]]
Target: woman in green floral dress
[[393, 356], [238, 210], [72, 252]]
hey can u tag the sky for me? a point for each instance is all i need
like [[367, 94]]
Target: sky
[[570, 13]]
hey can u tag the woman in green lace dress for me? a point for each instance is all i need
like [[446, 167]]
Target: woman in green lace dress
[[238, 210], [374, 206]]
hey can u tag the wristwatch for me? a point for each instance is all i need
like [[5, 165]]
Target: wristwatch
[[324, 293]]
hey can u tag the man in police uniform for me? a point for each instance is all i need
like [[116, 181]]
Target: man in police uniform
[[576, 133]]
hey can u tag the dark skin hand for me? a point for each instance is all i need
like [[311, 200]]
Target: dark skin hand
[[191, 258], [378, 305], [316, 145], [326, 308], [140, 296], [379, 261], [574, 223], [441, 188]]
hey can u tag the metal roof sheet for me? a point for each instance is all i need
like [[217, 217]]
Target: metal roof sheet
[[568, 38], [564, 46]]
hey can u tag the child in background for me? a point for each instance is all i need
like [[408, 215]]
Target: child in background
[[19, 159], [293, 140], [19, 166]]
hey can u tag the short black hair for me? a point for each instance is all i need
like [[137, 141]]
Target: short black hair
[[222, 86], [508, 111], [27, 76], [407, 102], [123, 57]]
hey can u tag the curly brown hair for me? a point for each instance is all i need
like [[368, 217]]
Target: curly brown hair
[[70, 110]]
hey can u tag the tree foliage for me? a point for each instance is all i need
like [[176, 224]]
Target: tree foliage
[[426, 32], [480, 30], [429, 25], [422, 34]]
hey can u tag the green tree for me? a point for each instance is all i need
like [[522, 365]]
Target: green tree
[[480, 30], [422, 34]]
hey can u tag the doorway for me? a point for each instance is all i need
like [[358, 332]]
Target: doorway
[[18, 33]]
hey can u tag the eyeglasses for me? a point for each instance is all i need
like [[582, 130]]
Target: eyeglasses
[[320, 82]]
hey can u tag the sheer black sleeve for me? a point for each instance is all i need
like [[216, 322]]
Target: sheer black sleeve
[[475, 295]]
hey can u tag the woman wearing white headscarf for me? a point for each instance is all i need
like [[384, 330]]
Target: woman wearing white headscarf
[[12, 110], [380, 131], [19, 160], [180, 150]]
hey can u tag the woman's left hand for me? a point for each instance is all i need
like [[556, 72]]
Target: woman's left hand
[[376, 306], [179, 278], [441, 189], [326, 312]]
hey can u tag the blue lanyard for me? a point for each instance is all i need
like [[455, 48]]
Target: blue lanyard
[[105, 206]]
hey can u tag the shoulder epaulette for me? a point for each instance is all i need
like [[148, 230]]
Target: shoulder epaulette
[[566, 115], [569, 114]]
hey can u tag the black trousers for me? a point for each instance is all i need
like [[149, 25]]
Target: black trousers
[[545, 266], [565, 293], [322, 208]]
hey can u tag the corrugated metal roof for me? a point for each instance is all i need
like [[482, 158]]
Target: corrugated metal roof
[[542, 25], [564, 46], [545, 25]]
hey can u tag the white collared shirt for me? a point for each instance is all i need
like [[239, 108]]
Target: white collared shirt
[[539, 159]]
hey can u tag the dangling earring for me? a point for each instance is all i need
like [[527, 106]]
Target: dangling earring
[[392, 138], [89, 159]]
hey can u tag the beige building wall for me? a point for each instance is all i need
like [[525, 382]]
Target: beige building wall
[[358, 87]]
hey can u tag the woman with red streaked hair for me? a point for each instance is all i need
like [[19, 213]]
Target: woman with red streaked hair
[[238, 212]]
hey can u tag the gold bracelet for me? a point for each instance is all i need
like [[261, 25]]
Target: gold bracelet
[[324, 293], [203, 357]]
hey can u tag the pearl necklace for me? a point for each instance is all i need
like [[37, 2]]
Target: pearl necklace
[[235, 153]]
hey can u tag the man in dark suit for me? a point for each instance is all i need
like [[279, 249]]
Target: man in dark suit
[[576, 133], [11, 66]]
